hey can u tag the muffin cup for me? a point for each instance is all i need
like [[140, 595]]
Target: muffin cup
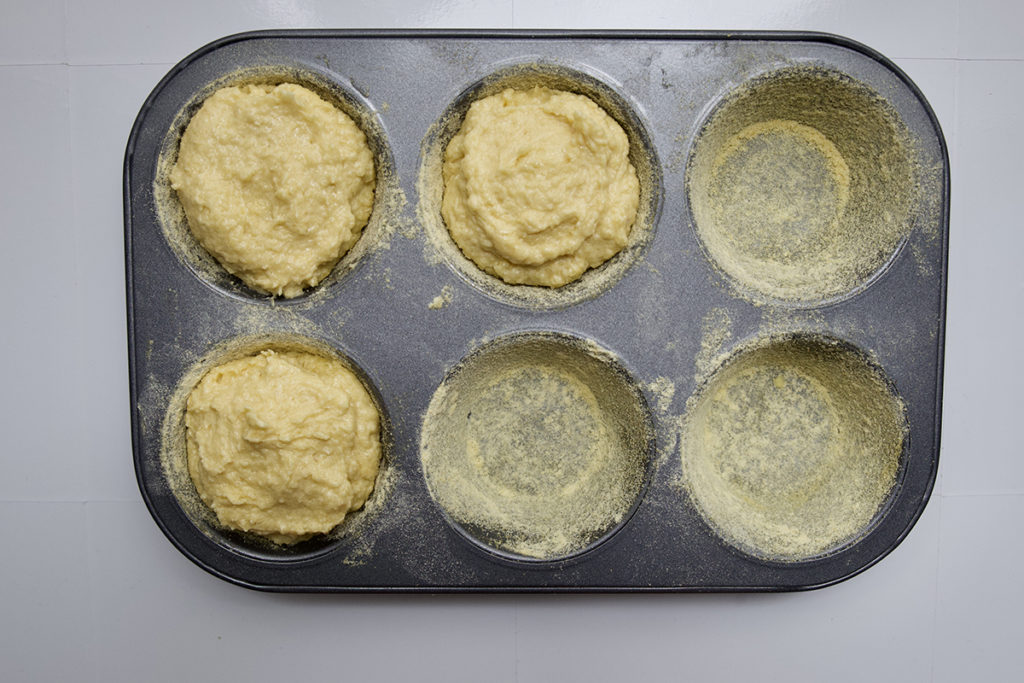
[[569, 77], [536, 446], [330, 87], [248, 545]]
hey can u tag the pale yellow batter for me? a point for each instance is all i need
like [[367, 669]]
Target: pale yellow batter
[[538, 186], [276, 183], [282, 444]]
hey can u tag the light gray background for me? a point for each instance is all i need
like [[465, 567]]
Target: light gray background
[[91, 590]]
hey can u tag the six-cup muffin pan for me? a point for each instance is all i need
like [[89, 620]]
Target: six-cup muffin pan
[[405, 309]]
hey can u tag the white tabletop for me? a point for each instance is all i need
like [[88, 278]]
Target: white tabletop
[[91, 590]]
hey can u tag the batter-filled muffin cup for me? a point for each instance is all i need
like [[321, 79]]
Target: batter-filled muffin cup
[[540, 185], [276, 184], [282, 444], [276, 446]]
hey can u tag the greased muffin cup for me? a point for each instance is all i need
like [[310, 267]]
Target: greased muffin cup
[[646, 352]]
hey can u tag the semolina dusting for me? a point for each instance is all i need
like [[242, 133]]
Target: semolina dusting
[[802, 186], [792, 447], [536, 448]]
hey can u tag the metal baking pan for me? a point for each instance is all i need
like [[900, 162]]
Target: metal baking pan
[[405, 88]]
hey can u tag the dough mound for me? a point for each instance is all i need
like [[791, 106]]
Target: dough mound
[[538, 186], [282, 444], [276, 184]]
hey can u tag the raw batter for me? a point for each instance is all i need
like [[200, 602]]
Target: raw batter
[[282, 444], [538, 186], [276, 183]]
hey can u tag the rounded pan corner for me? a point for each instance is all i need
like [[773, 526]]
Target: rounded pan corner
[[889, 64], [884, 552], [180, 66]]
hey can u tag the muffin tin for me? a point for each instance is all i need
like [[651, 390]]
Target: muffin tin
[[404, 308]]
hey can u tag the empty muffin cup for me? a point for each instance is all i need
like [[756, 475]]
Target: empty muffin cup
[[536, 446], [801, 185], [793, 447]]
